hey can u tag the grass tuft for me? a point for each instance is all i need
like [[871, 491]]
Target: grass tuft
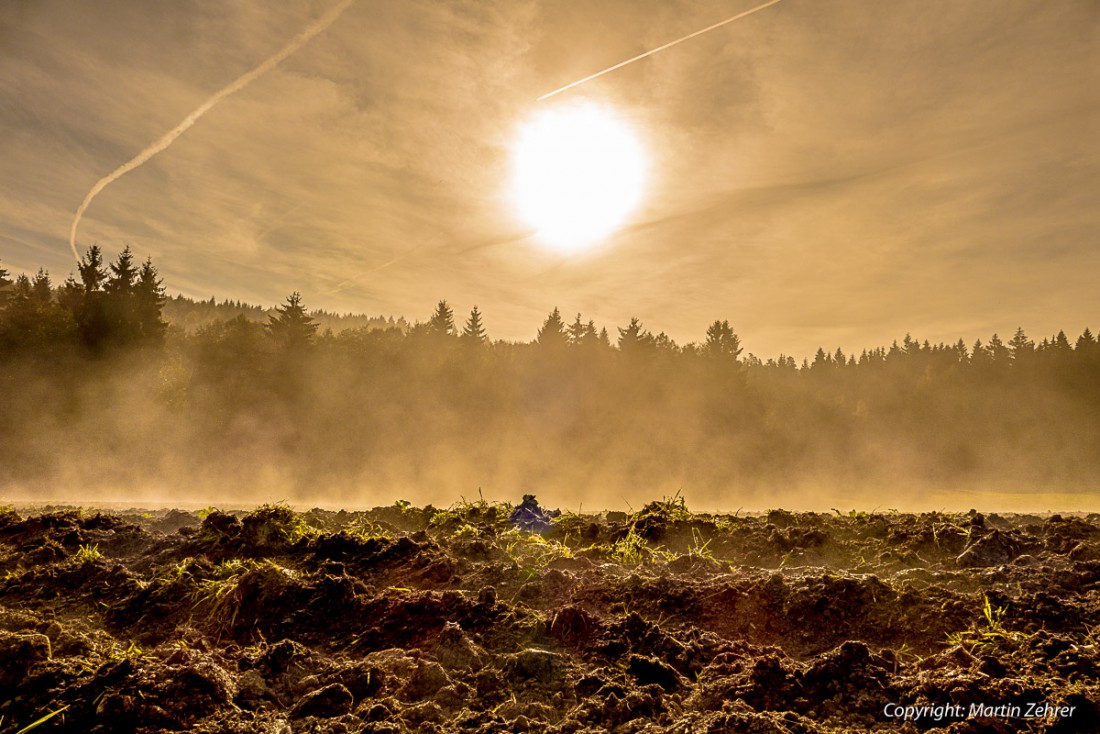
[[88, 554], [989, 635]]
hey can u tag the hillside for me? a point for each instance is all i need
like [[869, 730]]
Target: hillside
[[191, 315]]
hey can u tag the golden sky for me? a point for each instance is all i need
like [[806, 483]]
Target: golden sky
[[832, 174]]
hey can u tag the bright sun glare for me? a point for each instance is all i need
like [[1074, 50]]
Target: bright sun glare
[[577, 173]]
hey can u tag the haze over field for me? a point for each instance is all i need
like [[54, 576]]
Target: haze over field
[[820, 174]]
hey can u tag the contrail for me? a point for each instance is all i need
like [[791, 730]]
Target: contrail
[[168, 138], [670, 44]]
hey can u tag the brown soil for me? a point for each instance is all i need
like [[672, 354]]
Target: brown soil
[[405, 619]]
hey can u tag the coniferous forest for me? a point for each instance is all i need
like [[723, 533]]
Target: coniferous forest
[[104, 397]]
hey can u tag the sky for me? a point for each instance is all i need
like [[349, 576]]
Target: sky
[[819, 174]]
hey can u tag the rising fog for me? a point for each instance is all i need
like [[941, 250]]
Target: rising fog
[[238, 412]]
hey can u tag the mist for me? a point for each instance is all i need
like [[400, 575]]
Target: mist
[[266, 407]]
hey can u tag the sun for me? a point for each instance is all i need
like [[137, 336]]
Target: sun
[[577, 173]]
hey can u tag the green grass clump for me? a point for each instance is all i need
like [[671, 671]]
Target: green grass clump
[[87, 554], [989, 636], [364, 528], [670, 509], [530, 551], [699, 549], [219, 596], [632, 550], [271, 525]]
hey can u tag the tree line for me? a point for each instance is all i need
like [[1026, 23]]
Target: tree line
[[438, 403], [121, 305], [110, 306]]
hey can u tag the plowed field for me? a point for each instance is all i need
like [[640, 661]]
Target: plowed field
[[417, 619]]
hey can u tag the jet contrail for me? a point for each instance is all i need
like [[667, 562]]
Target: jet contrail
[[300, 40], [670, 44]]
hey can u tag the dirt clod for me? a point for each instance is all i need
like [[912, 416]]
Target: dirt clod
[[331, 701]]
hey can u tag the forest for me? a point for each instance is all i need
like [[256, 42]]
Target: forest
[[111, 389]]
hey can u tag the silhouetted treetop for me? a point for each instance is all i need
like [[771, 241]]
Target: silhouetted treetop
[[149, 304], [634, 339], [123, 275], [442, 322], [5, 286], [91, 270], [291, 327], [721, 342], [552, 334], [474, 331], [108, 308]]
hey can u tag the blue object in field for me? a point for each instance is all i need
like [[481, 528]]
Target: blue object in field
[[529, 516]]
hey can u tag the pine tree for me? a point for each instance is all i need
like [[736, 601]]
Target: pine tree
[[552, 335], [41, 290], [442, 322], [119, 302], [150, 299], [1086, 342], [979, 354], [1020, 346], [5, 287], [997, 350], [577, 331], [91, 270], [18, 322], [32, 319], [634, 339], [84, 300], [591, 337], [291, 327], [474, 331], [664, 343], [123, 275], [721, 342]]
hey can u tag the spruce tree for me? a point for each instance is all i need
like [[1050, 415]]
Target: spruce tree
[[119, 302], [91, 270], [552, 335], [149, 300], [998, 352], [577, 331], [291, 327], [85, 300], [591, 337], [634, 339], [474, 332], [442, 322], [123, 274], [721, 342], [1086, 343], [1020, 346], [5, 287]]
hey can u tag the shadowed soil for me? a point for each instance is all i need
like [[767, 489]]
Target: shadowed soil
[[417, 619]]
